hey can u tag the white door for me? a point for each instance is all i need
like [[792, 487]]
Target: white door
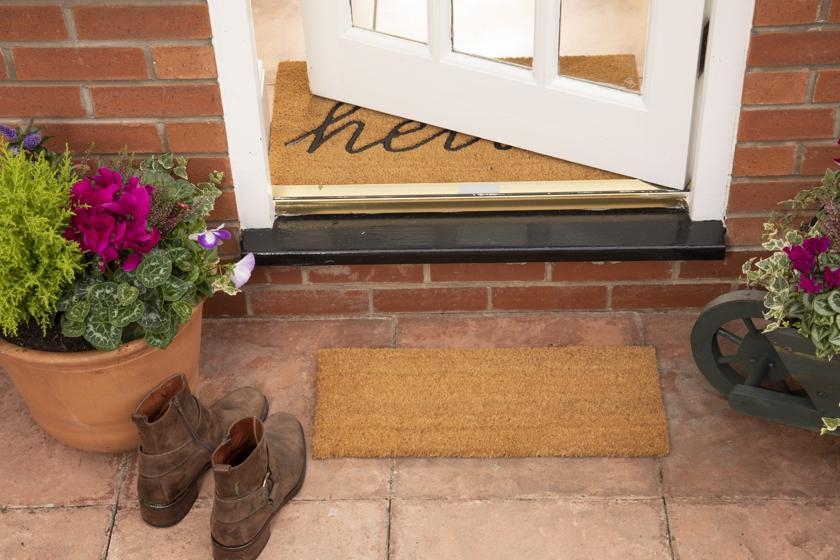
[[429, 69]]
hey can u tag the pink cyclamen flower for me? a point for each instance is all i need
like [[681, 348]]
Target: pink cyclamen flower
[[241, 272], [817, 245], [801, 258], [211, 238], [809, 285], [831, 278], [110, 218]]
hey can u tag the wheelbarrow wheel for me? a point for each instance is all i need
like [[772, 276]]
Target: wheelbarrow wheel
[[729, 347]]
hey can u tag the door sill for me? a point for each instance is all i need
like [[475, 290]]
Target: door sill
[[614, 235], [526, 196]]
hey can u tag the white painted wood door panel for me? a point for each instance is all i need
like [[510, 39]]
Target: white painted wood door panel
[[644, 136]]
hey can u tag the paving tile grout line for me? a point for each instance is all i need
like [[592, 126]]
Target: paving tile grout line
[[120, 484], [668, 535], [391, 476]]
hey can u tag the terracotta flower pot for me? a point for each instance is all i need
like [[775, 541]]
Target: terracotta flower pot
[[85, 399]]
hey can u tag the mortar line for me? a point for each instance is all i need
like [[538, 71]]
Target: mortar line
[[120, 484], [391, 475], [668, 534]]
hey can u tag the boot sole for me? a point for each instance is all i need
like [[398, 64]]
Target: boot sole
[[166, 515], [253, 548]]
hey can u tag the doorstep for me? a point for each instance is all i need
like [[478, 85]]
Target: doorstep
[[486, 237]]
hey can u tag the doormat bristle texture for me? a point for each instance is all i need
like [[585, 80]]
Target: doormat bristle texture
[[582, 401], [317, 141]]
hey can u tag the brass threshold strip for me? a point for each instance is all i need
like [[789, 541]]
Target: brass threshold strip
[[297, 200]]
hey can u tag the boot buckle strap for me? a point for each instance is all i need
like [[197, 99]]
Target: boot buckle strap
[[269, 486]]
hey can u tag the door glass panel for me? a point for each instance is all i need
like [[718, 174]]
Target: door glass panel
[[604, 41], [496, 29], [407, 19]]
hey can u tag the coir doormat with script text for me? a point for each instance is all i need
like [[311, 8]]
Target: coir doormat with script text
[[511, 402], [317, 141]]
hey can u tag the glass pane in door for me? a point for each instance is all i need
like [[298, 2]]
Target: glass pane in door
[[407, 19], [604, 41], [500, 30]]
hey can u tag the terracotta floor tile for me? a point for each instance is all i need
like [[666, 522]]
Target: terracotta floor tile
[[38, 470], [39, 534], [346, 479], [525, 478], [716, 452], [670, 333], [302, 530], [755, 531], [278, 357], [334, 479], [532, 529], [495, 331]]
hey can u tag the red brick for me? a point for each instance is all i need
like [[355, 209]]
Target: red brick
[[84, 63], [785, 12], [337, 274], [222, 304], [729, 268], [786, 124], [309, 302], [32, 23], [184, 62], [229, 250], [763, 195], [157, 101], [827, 88], [763, 161], [795, 48], [834, 14], [744, 232], [430, 300], [487, 272], [142, 22], [277, 275], [626, 270], [666, 296], [775, 87], [41, 101], [104, 138], [197, 136], [225, 208], [549, 297], [199, 169], [818, 158], [3, 72]]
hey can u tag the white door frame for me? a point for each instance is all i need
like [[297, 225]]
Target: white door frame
[[716, 115]]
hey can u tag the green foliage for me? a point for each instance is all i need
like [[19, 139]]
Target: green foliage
[[816, 316], [109, 307], [36, 261]]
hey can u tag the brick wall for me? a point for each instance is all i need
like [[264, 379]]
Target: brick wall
[[142, 74], [789, 123], [117, 74]]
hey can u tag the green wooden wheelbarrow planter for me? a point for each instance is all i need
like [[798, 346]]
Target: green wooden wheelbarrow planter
[[773, 375]]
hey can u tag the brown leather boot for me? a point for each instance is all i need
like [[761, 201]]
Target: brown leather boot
[[177, 435], [258, 469]]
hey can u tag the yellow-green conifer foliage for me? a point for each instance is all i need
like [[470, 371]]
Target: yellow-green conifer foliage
[[36, 262]]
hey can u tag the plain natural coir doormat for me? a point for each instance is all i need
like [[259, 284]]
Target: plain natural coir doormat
[[317, 141], [514, 402]]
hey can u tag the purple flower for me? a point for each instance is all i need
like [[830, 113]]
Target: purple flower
[[211, 238], [31, 140], [242, 270], [817, 245], [802, 259], [831, 278], [9, 133], [808, 284]]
